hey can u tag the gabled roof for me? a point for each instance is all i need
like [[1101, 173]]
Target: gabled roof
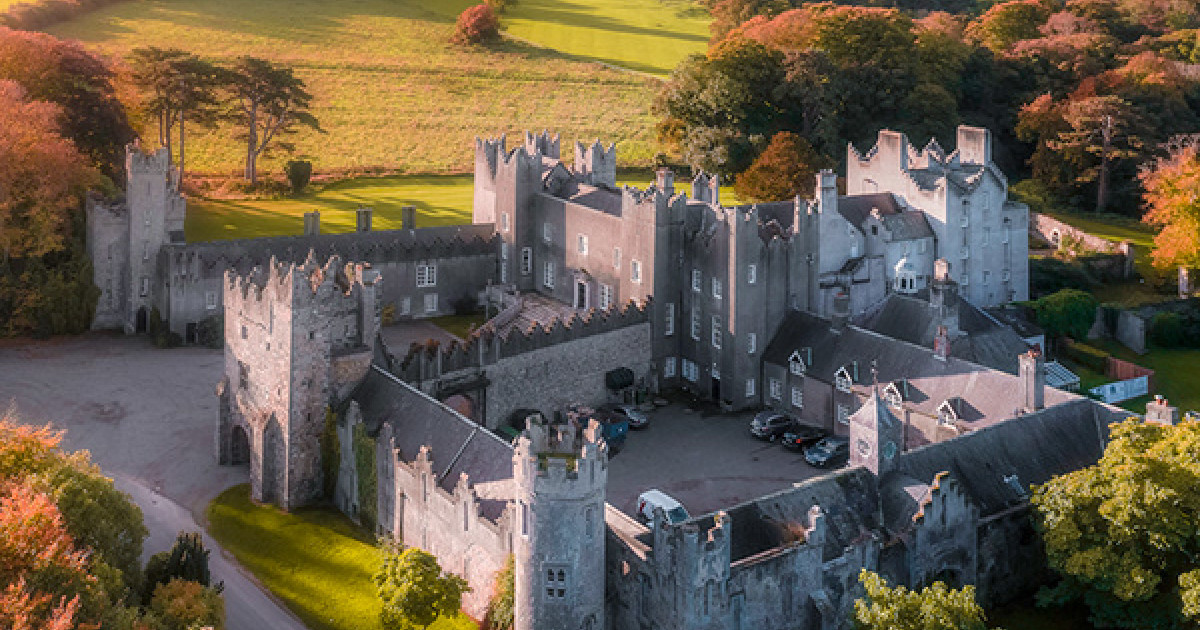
[[856, 208]]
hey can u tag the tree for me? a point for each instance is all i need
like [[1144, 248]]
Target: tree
[[1124, 534], [415, 591], [730, 14], [785, 169], [271, 102], [476, 25], [1172, 200], [184, 605], [1007, 23], [500, 609], [934, 607], [187, 560], [1103, 127], [1066, 313]]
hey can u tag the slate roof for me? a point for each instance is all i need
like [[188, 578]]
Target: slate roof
[[907, 226], [986, 394], [599, 198], [911, 319], [418, 420], [856, 208]]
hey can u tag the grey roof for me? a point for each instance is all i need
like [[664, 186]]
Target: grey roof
[[418, 420], [599, 198], [909, 318], [856, 208], [907, 226], [965, 176], [901, 497], [1059, 376], [987, 394]]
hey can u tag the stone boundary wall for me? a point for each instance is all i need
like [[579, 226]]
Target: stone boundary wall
[[1057, 233], [1124, 370]]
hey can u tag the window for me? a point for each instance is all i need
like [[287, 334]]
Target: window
[[924, 246], [716, 288], [583, 245], [503, 250], [796, 364], [843, 414], [987, 235], [965, 220], [716, 332], [776, 389], [616, 258], [690, 371], [526, 261], [605, 296], [1006, 275], [842, 380], [145, 290], [1007, 227], [556, 583], [547, 232], [548, 274], [145, 250], [405, 306], [874, 230], [749, 387], [210, 300], [751, 274], [696, 323], [426, 275], [669, 367], [504, 221], [669, 320], [797, 397], [715, 370], [696, 280], [986, 274], [635, 271], [431, 302], [751, 343]]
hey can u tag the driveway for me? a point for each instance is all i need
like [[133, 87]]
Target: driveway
[[148, 418], [707, 462]]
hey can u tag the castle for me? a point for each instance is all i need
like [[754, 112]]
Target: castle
[[792, 305]]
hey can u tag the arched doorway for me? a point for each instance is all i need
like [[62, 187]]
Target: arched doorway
[[140, 323], [239, 446], [272, 455]]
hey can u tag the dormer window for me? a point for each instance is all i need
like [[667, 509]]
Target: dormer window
[[893, 395], [947, 414], [842, 380], [796, 364]]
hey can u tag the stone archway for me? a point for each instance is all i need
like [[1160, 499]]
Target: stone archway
[[271, 471], [239, 446]]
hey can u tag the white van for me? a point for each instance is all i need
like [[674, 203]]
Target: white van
[[651, 499]]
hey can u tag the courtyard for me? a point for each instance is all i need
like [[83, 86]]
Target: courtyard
[[706, 461]]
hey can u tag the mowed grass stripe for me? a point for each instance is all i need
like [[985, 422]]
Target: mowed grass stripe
[[389, 89]]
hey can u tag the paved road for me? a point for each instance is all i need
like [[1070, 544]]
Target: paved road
[[147, 416]]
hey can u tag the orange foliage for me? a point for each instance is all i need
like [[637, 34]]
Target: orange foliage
[[1172, 200], [24, 449], [476, 24]]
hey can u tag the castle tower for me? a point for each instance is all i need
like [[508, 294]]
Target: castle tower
[[561, 473], [597, 165], [156, 215], [296, 338], [876, 435]]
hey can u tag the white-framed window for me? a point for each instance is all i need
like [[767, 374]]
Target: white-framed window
[[431, 302], [690, 371], [751, 274], [986, 276], [426, 275], [145, 250], [751, 343], [842, 380], [924, 246], [145, 288], [966, 277], [776, 388], [635, 271], [555, 587], [605, 296], [1006, 275], [669, 367], [716, 332], [715, 370], [696, 323], [965, 220], [210, 300], [504, 221], [547, 232], [843, 414], [796, 364], [503, 250], [406, 306], [987, 235], [582, 243], [548, 274], [616, 258], [669, 320], [798, 397], [526, 261], [749, 387], [696, 277], [893, 397], [716, 288]]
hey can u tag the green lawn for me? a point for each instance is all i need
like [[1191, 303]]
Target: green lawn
[[389, 89], [1176, 374], [315, 560], [459, 325]]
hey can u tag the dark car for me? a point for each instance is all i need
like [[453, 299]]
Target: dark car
[[768, 425], [801, 436], [629, 413], [829, 452]]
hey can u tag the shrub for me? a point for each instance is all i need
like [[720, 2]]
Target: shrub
[[1048, 275], [499, 5], [298, 173], [187, 560], [1166, 330], [210, 332], [465, 305], [331, 455], [183, 605], [1090, 357], [1066, 313], [476, 25], [499, 615]]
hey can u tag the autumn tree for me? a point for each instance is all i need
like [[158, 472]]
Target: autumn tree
[[1007, 23], [476, 25], [414, 589], [935, 607], [271, 102], [184, 605], [1172, 201], [1124, 534], [730, 14], [785, 169]]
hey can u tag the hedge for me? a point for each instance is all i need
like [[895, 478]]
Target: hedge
[[1089, 357]]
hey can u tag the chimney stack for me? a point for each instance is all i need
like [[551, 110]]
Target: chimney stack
[[664, 180], [408, 217], [714, 189], [841, 311], [362, 220], [1032, 373], [312, 223], [943, 298], [1160, 412]]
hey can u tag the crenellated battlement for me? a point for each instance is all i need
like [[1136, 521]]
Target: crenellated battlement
[[543, 143], [597, 165]]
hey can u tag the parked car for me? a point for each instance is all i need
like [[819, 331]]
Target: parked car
[[768, 425], [615, 427], [829, 452], [801, 436], [635, 417], [651, 499]]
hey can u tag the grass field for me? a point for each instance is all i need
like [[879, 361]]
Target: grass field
[[317, 561], [389, 89]]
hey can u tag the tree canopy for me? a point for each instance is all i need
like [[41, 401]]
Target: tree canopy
[[270, 102], [415, 591], [785, 169], [1066, 313], [1173, 204], [935, 607]]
